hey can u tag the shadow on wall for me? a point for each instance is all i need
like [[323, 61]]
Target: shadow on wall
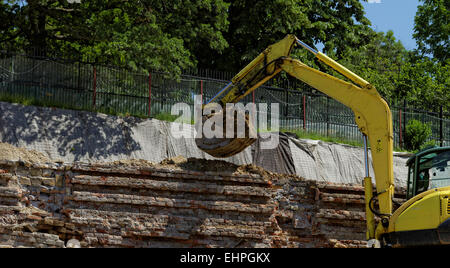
[[58, 132]]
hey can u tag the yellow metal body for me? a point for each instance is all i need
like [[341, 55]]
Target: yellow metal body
[[424, 211], [259, 71], [372, 113], [374, 119]]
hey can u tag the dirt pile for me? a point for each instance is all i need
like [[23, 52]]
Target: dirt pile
[[196, 164], [203, 165], [10, 152]]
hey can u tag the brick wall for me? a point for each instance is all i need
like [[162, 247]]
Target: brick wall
[[109, 205]]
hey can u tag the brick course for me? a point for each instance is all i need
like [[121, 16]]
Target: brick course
[[105, 205]]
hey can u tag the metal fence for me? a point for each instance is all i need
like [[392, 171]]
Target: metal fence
[[85, 86]]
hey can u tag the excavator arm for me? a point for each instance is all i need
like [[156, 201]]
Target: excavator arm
[[373, 117], [372, 113]]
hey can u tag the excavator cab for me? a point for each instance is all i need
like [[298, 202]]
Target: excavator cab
[[428, 169], [424, 219]]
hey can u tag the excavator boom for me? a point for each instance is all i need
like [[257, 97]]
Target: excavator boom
[[372, 114], [415, 222]]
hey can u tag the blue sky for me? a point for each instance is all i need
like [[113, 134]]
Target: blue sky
[[395, 15]]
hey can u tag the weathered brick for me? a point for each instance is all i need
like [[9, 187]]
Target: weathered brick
[[120, 206], [24, 181], [48, 181]]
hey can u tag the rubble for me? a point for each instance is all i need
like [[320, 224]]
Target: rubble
[[10, 152], [175, 203]]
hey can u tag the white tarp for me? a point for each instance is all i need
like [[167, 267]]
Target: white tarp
[[331, 162], [85, 136]]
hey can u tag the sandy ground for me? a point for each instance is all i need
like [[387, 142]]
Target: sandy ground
[[10, 152], [196, 164]]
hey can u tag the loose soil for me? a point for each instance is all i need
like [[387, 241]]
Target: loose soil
[[196, 164], [10, 152]]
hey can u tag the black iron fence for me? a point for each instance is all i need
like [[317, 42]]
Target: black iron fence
[[86, 86]]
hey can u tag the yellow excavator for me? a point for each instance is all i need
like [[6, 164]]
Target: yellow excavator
[[424, 219]]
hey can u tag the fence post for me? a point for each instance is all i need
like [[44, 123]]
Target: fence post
[[12, 68], [286, 101], [94, 88], [254, 110], [32, 77], [400, 139], [405, 103], [149, 94], [441, 126], [304, 112], [201, 91], [79, 76], [328, 114]]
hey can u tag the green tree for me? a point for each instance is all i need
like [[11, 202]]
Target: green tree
[[416, 134], [399, 74], [201, 25], [380, 61], [432, 28], [8, 33], [253, 25], [157, 35], [425, 83]]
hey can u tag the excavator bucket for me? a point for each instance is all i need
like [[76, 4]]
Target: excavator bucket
[[256, 73], [226, 146]]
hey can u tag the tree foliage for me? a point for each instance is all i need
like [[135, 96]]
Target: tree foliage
[[158, 35], [380, 62], [425, 83], [416, 134], [339, 24], [399, 74], [432, 28], [174, 35], [429, 72]]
